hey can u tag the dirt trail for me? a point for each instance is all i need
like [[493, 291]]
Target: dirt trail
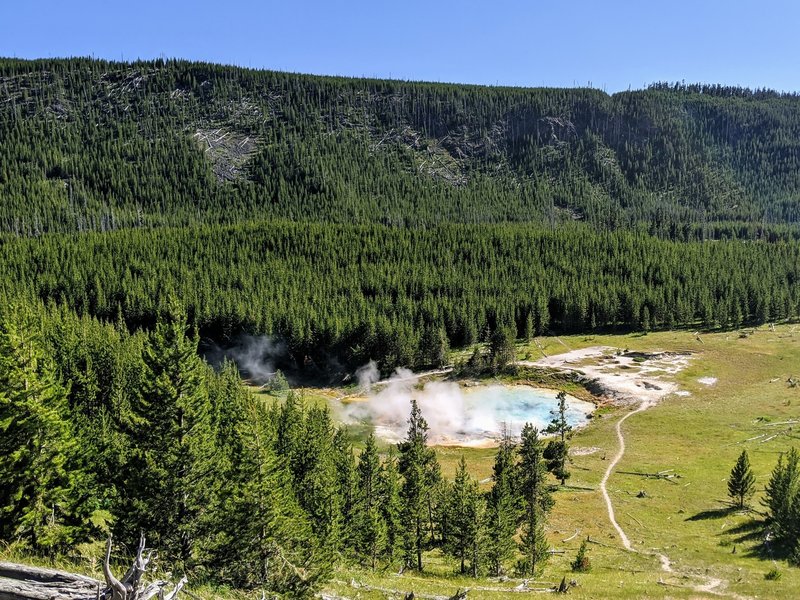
[[609, 506], [632, 388], [666, 565], [711, 585]]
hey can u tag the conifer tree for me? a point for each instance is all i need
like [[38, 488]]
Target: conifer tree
[[278, 382], [420, 471], [582, 564], [438, 509], [174, 442], [391, 507], [36, 440], [434, 347], [501, 348], [228, 400], [480, 540], [502, 510], [290, 432], [370, 527], [536, 501], [316, 480], [464, 518], [557, 451], [533, 486], [782, 497], [264, 538], [741, 482], [528, 329], [533, 543], [344, 464]]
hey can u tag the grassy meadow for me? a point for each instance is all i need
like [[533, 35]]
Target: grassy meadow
[[696, 438], [714, 550]]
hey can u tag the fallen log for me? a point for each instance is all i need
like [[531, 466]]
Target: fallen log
[[23, 582], [663, 475]]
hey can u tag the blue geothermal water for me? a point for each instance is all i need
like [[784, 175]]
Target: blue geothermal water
[[458, 415], [488, 408]]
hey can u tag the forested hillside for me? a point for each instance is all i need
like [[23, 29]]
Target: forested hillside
[[93, 145], [153, 211], [361, 219]]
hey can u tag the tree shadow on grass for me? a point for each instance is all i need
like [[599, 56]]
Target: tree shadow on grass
[[752, 532], [714, 513], [747, 531]]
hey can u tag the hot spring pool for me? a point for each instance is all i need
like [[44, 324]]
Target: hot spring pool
[[488, 408], [462, 416]]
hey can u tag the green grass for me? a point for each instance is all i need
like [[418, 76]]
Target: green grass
[[688, 518]]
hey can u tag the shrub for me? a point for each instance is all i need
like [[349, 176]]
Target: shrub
[[582, 564]]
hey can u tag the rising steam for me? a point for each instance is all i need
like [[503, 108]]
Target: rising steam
[[255, 356], [454, 416], [368, 375]]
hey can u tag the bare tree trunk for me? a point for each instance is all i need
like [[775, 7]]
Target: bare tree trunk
[[21, 582]]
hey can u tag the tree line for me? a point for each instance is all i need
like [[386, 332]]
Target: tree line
[[104, 431], [402, 296]]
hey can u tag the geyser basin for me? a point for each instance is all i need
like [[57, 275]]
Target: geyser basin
[[463, 417], [515, 405]]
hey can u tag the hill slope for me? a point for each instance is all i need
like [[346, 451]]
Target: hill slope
[[92, 145]]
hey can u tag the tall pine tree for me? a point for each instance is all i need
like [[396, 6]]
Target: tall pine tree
[[502, 507], [35, 440], [464, 521], [536, 499], [174, 465], [741, 482], [370, 531], [557, 451], [264, 538], [782, 498], [420, 470], [391, 506]]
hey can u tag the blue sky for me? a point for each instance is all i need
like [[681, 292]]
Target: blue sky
[[613, 44]]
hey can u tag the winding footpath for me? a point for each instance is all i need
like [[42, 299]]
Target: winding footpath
[[712, 584], [625, 541], [642, 386]]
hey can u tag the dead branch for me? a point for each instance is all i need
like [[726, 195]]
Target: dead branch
[[635, 519], [573, 536], [21, 582], [117, 590]]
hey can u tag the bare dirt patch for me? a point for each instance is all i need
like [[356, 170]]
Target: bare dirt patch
[[626, 377], [584, 451]]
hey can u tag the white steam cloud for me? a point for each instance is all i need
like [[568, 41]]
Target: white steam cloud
[[255, 356], [367, 375], [474, 417]]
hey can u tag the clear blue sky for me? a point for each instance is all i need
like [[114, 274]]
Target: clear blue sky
[[614, 44]]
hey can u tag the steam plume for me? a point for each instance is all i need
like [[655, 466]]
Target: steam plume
[[453, 415], [255, 356], [368, 375]]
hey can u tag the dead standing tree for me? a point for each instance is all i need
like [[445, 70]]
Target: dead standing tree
[[128, 588], [22, 582]]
